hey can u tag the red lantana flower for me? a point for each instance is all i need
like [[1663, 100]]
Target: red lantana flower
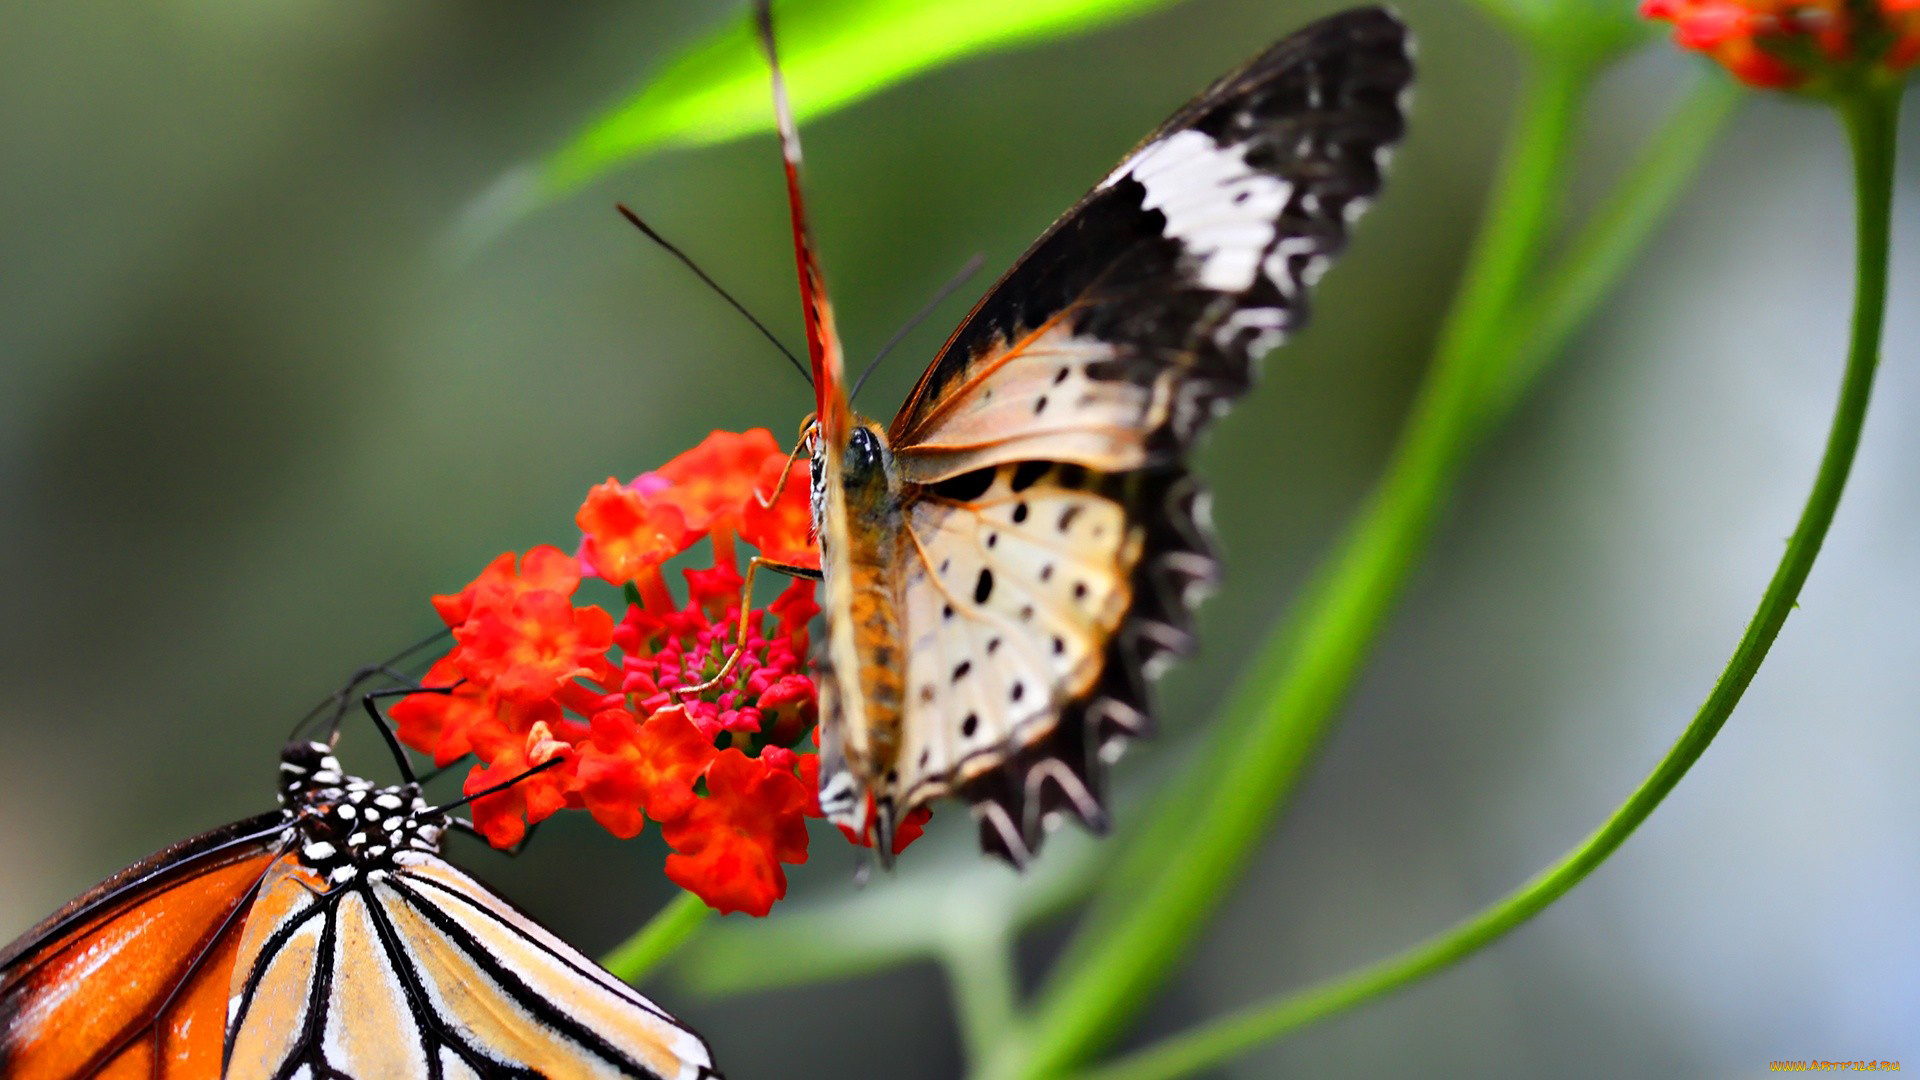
[[504, 815], [666, 712], [629, 771], [1797, 44], [712, 482], [777, 519], [541, 569]]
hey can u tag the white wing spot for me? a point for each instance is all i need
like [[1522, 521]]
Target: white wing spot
[[1221, 209]]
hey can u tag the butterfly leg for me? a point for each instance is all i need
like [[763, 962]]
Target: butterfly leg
[[746, 612], [369, 701], [766, 502]]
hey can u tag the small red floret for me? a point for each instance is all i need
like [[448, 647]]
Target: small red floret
[[625, 533], [528, 650], [729, 846], [778, 518], [503, 816]]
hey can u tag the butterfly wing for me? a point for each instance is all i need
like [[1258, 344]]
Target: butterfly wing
[[422, 971], [130, 979], [1055, 540], [1138, 314]]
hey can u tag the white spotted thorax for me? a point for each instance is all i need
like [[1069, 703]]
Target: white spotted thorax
[[347, 826]]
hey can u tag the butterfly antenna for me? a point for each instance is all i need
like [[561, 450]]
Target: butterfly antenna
[[823, 343], [387, 733], [687, 260], [939, 297], [494, 789], [338, 700]]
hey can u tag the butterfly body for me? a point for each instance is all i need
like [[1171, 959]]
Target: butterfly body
[[326, 939], [858, 491], [1014, 557]]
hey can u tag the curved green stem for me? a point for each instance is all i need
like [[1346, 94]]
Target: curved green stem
[[634, 958], [1870, 120], [1176, 875]]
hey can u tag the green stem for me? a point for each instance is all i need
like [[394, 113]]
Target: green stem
[[1181, 869], [1599, 254], [1870, 120], [634, 958], [985, 985]]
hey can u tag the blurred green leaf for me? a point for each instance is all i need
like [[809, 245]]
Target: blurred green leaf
[[1594, 30], [834, 53]]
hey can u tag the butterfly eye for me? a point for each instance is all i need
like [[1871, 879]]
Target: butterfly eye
[[863, 450]]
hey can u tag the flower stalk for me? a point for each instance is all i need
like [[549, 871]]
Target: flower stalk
[[635, 958]]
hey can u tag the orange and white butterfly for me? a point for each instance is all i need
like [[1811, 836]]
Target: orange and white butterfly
[[327, 939], [1008, 562]]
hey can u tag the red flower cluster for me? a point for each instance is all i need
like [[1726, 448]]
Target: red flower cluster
[[1794, 44], [647, 715]]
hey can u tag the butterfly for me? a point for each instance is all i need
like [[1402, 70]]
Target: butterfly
[[1008, 563], [327, 939]]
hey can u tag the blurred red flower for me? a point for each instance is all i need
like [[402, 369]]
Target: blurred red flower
[[623, 533], [1797, 44]]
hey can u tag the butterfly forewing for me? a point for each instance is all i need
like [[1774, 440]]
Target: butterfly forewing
[[1188, 261], [1054, 543]]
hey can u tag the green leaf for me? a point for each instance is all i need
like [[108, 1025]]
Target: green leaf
[[1594, 30], [834, 53]]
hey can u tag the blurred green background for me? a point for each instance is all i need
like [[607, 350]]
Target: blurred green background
[[252, 415]]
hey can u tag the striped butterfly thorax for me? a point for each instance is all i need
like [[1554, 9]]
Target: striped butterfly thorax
[[325, 940], [1009, 561]]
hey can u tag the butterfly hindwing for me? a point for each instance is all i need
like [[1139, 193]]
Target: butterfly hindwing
[[1022, 573], [1054, 541]]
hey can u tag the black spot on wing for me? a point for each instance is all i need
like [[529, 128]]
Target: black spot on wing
[[966, 487]]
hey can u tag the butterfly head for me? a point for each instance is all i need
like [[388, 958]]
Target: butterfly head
[[860, 460]]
